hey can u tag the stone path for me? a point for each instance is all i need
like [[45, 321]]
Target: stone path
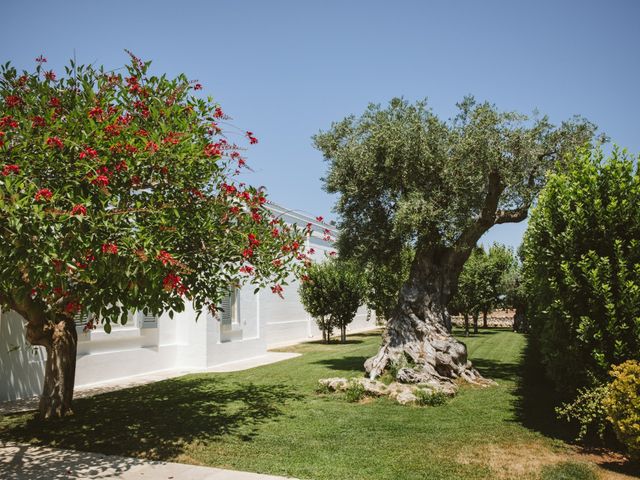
[[28, 404], [26, 462]]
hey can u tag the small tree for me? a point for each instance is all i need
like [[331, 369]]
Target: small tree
[[498, 265], [332, 295], [473, 289], [117, 194]]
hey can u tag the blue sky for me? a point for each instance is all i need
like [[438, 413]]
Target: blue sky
[[286, 69]]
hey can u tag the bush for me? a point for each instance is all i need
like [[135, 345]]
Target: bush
[[354, 392], [588, 411], [428, 398], [580, 257], [622, 404], [568, 471], [332, 295]]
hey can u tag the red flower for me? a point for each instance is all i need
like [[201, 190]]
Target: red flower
[[253, 240], [275, 233], [125, 119], [234, 210], [54, 102], [277, 289], [247, 253], [8, 121], [72, 307], [277, 262], [252, 140], [229, 189], [113, 130], [121, 166], [12, 101], [312, 251], [333, 253], [96, 112], [215, 129], [320, 219], [55, 142], [213, 150], [246, 269], [41, 59], [131, 148], [173, 282], [256, 216], [142, 132], [218, 113], [197, 86], [165, 257], [110, 248], [9, 169], [101, 181], [43, 193], [38, 121], [151, 147], [88, 152], [50, 75], [173, 138], [79, 210]]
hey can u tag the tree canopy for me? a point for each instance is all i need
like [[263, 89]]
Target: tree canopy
[[405, 176]]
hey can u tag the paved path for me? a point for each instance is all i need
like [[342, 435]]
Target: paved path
[[28, 404], [24, 462]]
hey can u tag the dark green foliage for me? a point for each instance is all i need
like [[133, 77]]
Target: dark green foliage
[[431, 399], [332, 295], [582, 269], [588, 411], [382, 283], [354, 392]]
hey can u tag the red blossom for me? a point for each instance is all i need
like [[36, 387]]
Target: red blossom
[[41, 59], [173, 281], [121, 166], [333, 253], [113, 129], [54, 102], [213, 150], [247, 253], [110, 248], [253, 240], [234, 210], [9, 169], [88, 152], [197, 86], [101, 181], [72, 307], [43, 193], [8, 121], [275, 233], [151, 147], [215, 129], [246, 269], [79, 210], [320, 219], [166, 258], [252, 140], [172, 137], [96, 113], [256, 216], [50, 75], [38, 121], [131, 149], [229, 189], [312, 251], [277, 289], [277, 262], [142, 132], [125, 119], [55, 142], [218, 113], [12, 101]]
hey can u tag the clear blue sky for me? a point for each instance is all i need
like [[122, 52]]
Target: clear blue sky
[[286, 69]]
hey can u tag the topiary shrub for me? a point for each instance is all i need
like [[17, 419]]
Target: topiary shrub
[[622, 404]]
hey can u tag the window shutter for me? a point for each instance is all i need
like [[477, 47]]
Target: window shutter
[[225, 314], [149, 321], [81, 319]]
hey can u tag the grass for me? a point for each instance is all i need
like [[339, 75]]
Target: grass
[[272, 420]]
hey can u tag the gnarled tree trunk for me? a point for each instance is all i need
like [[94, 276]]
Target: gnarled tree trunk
[[60, 339], [419, 330]]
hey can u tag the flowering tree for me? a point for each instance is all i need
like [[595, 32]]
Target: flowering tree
[[117, 193]]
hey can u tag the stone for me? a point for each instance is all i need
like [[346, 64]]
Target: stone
[[405, 397], [335, 383], [373, 387]]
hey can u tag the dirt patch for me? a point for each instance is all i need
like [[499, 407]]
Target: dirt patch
[[526, 460]]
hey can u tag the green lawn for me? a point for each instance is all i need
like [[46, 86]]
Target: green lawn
[[270, 420]]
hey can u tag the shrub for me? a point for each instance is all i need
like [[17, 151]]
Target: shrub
[[354, 392], [588, 411], [568, 471], [580, 257], [622, 404], [428, 398], [322, 388]]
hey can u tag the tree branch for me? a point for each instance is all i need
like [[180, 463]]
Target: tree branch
[[512, 216]]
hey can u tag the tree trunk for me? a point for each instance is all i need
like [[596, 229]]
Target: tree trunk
[[343, 334], [419, 329], [475, 322], [484, 320], [466, 324], [60, 339]]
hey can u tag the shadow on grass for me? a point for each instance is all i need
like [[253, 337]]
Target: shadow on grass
[[344, 363], [496, 370], [158, 420]]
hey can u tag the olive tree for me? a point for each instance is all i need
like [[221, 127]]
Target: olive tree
[[117, 193], [408, 178]]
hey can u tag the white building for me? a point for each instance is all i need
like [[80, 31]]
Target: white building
[[252, 323]]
